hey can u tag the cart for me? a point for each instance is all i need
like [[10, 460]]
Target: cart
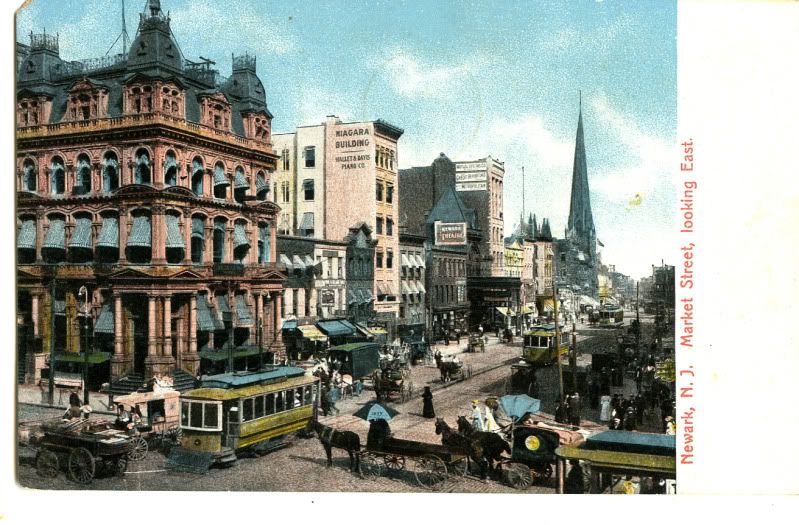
[[476, 343], [533, 453], [431, 464], [159, 427], [391, 385], [83, 447]]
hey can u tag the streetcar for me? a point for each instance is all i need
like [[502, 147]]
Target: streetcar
[[231, 413], [539, 345], [611, 316]]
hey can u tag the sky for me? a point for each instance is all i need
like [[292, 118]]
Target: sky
[[469, 79]]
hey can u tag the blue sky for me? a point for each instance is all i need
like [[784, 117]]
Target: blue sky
[[469, 79]]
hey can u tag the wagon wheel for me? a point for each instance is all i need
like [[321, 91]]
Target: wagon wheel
[[371, 466], [459, 467], [47, 464], [519, 476], [542, 473], [430, 471], [81, 466], [138, 449], [394, 462], [121, 466]]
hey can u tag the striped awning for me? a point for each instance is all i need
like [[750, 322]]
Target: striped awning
[[412, 287], [109, 233], [406, 261], [405, 289], [307, 221], [243, 311], [82, 234], [173, 237], [222, 308], [367, 296], [297, 262], [311, 333], [420, 286], [419, 261], [205, 321], [309, 262], [196, 165], [260, 184], [239, 181], [284, 260], [170, 162], [352, 297], [105, 321], [239, 235], [197, 228], [219, 177], [27, 235], [55, 235], [140, 233]]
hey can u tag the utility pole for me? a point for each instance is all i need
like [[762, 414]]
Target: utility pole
[[51, 381], [557, 327], [230, 330], [573, 357], [85, 293]]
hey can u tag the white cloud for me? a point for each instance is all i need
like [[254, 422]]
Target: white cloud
[[315, 103]]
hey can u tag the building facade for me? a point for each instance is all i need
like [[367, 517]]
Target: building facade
[[145, 178], [360, 273], [413, 314]]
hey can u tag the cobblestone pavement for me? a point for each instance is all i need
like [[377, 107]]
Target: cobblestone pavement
[[301, 466]]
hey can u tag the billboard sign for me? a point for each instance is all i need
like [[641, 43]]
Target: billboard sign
[[450, 233]]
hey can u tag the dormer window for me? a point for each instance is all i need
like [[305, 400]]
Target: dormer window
[[216, 111], [28, 113], [86, 101]]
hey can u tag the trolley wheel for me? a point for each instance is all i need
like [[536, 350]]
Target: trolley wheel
[[371, 467], [81, 466], [519, 476], [47, 464], [121, 466], [394, 462], [138, 450], [430, 471]]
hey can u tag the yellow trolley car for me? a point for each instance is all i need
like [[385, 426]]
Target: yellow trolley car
[[539, 345], [611, 315], [231, 413]]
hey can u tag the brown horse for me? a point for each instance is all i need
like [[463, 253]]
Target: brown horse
[[458, 443], [492, 444], [343, 439]]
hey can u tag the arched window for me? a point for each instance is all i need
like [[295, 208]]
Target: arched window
[[221, 182], [139, 249], [110, 172], [220, 223], [197, 239], [83, 176], [175, 245], [57, 176], [264, 243], [197, 173], [142, 175], [241, 242], [240, 185], [170, 169], [261, 186], [28, 175]]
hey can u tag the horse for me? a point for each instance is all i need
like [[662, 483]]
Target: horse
[[343, 439], [448, 369], [457, 442], [493, 445]]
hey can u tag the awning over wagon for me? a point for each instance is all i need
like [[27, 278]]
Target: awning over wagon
[[590, 301], [311, 333], [336, 328], [78, 357]]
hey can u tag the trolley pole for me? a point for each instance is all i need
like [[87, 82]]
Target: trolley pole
[[573, 358], [557, 328]]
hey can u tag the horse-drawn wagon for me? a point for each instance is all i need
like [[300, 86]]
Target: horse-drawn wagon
[[476, 343], [392, 385], [533, 453], [452, 369], [158, 421], [84, 447]]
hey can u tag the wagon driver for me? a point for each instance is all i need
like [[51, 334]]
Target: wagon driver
[[477, 416]]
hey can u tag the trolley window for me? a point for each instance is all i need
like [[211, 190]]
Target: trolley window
[[270, 404], [279, 402], [200, 415], [259, 407], [308, 395], [247, 409]]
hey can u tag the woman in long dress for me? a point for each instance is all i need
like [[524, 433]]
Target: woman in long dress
[[490, 423], [427, 407], [477, 417], [604, 413]]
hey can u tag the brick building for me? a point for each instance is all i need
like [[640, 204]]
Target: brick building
[[145, 177]]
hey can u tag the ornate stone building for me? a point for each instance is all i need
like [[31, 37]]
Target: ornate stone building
[[146, 178]]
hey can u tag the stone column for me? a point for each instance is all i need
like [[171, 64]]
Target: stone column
[[228, 258], [123, 234], [158, 236], [39, 233], [278, 347], [289, 302], [152, 349], [193, 323], [300, 306], [252, 256], [268, 318], [119, 361], [187, 225], [35, 314], [208, 250], [259, 319], [167, 351]]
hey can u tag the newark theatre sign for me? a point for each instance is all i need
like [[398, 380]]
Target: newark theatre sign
[[450, 233]]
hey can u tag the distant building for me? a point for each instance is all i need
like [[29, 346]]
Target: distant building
[[413, 313], [360, 273]]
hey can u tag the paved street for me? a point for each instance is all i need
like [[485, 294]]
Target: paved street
[[301, 466]]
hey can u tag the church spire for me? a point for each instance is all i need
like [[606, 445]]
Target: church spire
[[581, 220]]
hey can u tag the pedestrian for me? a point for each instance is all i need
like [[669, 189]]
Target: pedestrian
[[325, 401], [427, 404], [74, 399], [560, 412], [458, 337], [477, 417], [640, 405], [594, 393], [574, 409], [490, 422], [629, 419], [604, 412], [480, 329], [575, 479], [639, 377], [671, 426], [446, 338], [332, 395], [438, 357]]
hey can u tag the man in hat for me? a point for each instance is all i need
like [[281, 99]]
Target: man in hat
[[575, 479], [477, 416], [671, 427]]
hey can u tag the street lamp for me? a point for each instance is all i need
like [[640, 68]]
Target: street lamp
[[83, 292]]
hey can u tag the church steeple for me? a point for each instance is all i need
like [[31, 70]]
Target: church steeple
[[580, 227]]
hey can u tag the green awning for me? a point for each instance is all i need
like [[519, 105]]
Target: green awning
[[173, 237], [239, 235], [27, 235], [239, 181], [82, 234], [140, 233], [260, 184], [243, 311], [223, 308], [219, 177], [336, 328], [105, 321], [95, 358], [205, 321], [222, 354], [55, 235], [109, 233], [197, 228], [351, 297]]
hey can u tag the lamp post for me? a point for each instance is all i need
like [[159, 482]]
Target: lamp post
[[230, 330], [83, 292]]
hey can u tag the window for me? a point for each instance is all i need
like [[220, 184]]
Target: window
[[389, 193], [197, 239], [259, 407], [310, 157], [379, 226], [83, 176], [379, 262], [308, 189], [200, 415], [247, 409], [219, 239], [28, 176], [197, 173], [379, 191], [269, 404], [285, 191], [57, 180], [286, 159], [389, 226], [389, 259], [142, 175], [280, 406]]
